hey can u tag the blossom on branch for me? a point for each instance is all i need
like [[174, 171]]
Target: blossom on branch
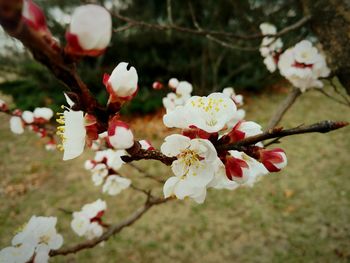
[[303, 65], [90, 31], [72, 131], [115, 184], [16, 125], [122, 83], [182, 92], [210, 114], [270, 47], [88, 221], [34, 241], [119, 135], [34, 17], [274, 160], [193, 169]]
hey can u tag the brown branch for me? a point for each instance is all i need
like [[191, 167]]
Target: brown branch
[[112, 230], [48, 52], [205, 32], [279, 132], [283, 107]]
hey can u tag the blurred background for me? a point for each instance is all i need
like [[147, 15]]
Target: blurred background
[[299, 215]]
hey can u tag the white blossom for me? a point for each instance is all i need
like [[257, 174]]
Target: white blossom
[[193, 169], [16, 125], [210, 114], [28, 117], [43, 113], [115, 184], [92, 26], [120, 136], [122, 82], [303, 65]]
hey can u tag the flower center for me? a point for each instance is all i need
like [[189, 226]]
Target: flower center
[[44, 239], [190, 158], [209, 105], [61, 129]]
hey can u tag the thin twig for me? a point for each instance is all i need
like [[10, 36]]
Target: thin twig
[[112, 229], [283, 108], [346, 103], [279, 132]]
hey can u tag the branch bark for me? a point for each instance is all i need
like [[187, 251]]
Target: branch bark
[[279, 132], [112, 230], [283, 108]]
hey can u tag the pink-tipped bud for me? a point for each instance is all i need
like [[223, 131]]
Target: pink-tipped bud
[[173, 83], [157, 85], [236, 169], [274, 160], [119, 135], [42, 115], [90, 31], [146, 145], [244, 129], [122, 83], [3, 106], [28, 117], [34, 17], [50, 145]]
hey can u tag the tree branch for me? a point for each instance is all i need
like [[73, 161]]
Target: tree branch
[[112, 230], [51, 55], [279, 132], [283, 107]]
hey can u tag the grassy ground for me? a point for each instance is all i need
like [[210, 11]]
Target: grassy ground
[[299, 215]]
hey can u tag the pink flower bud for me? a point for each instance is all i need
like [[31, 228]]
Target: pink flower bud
[[236, 169], [157, 85], [173, 83], [122, 83], [274, 160], [3, 105], [34, 17], [244, 129], [120, 135], [90, 31], [146, 145]]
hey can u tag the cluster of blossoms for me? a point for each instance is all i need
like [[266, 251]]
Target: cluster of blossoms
[[207, 122], [88, 221], [302, 64], [35, 121], [181, 93], [104, 169], [33, 242], [270, 47]]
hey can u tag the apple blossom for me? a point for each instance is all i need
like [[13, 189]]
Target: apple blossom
[[17, 254], [115, 184], [184, 88], [244, 129], [119, 135], [16, 125], [157, 85], [3, 105], [193, 169], [99, 173], [43, 113], [122, 83], [72, 131], [34, 17], [173, 83], [230, 92], [28, 117], [146, 145], [34, 241], [87, 222], [270, 47], [274, 160], [90, 30], [210, 114], [303, 65]]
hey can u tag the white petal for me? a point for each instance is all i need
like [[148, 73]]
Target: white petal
[[174, 144]]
